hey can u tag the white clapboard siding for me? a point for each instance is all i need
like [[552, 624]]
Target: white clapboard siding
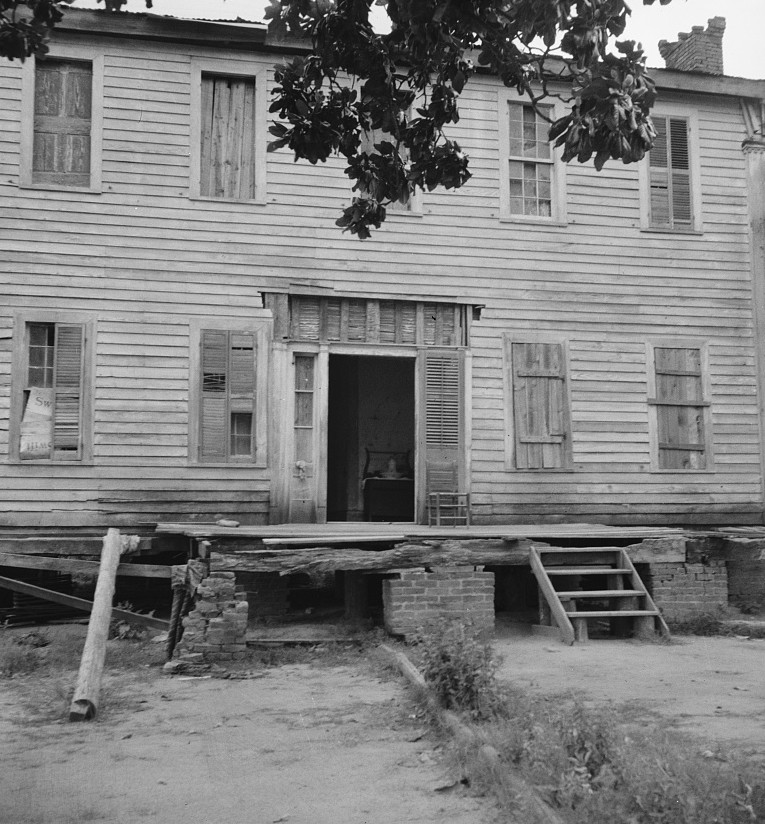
[[146, 260]]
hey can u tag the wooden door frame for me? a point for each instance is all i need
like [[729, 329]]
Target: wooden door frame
[[284, 379]]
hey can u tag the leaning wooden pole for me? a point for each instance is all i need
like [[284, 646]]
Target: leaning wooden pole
[[86, 693]]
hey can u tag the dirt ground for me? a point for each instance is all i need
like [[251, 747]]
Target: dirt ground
[[710, 688], [298, 743], [308, 744]]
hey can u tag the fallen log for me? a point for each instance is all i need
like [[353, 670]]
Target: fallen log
[[532, 805], [88, 689], [432, 553], [318, 560]]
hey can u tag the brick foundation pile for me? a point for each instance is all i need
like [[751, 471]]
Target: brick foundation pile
[[417, 598], [685, 591], [216, 629]]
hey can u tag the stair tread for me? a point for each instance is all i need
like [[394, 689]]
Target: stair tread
[[581, 550], [613, 613], [601, 593], [584, 570]]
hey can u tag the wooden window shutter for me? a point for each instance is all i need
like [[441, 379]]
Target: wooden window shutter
[[444, 410], [540, 410], [670, 173], [680, 407], [213, 429], [62, 123], [228, 396], [227, 141], [67, 391]]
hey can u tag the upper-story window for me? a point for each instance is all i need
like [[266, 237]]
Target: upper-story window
[[228, 137], [63, 110], [670, 178], [61, 122], [228, 131], [531, 185], [670, 173], [530, 162]]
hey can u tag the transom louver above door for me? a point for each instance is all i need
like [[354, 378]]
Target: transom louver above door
[[360, 320]]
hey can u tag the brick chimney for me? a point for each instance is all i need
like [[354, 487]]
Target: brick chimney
[[697, 51]]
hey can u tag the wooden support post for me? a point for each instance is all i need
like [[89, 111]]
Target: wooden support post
[[86, 693], [355, 586]]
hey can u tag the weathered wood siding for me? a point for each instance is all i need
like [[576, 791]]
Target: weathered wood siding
[[146, 259]]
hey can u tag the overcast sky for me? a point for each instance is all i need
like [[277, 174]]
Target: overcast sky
[[744, 54]]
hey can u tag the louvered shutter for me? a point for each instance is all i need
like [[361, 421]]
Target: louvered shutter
[[62, 123], [241, 394], [213, 429], [67, 391], [227, 141], [681, 171], [539, 405], [444, 426], [670, 174]]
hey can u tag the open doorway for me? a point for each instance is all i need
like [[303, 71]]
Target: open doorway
[[370, 461]]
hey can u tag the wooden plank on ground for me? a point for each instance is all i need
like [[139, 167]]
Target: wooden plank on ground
[[78, 566], [80, 603]]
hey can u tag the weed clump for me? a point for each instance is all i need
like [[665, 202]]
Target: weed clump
[[459, 664]]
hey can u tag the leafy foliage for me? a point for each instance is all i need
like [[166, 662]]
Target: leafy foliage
[[459, 664], [383, 100]]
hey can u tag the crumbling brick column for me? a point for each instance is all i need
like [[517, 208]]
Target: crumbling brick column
[[216, 628], [685, 591], [416, 598]]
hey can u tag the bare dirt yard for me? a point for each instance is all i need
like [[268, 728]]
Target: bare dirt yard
[[303, 743], [710, 688], [331, 739]]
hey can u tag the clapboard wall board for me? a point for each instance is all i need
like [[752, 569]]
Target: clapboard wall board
[[148, 261]]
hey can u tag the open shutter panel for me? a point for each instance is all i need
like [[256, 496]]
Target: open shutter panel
[[681, 171], [213, 429], [67, 392], [443, 421], [659, 163], [242, 394], [539, 405], [63, 103]]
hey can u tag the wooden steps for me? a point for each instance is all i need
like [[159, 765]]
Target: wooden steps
[[627, 605]]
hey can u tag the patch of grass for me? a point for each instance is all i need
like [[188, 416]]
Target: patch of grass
[[458, 663], [585, 764], [703, 623]]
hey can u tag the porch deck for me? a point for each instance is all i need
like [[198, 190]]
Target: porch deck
[[382, 532]]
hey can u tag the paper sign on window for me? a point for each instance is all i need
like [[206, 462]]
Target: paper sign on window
[[37, 425]]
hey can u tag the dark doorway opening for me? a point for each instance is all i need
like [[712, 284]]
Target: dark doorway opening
[[370, 462]]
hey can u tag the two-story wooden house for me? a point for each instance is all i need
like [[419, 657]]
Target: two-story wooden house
[[185, 334]]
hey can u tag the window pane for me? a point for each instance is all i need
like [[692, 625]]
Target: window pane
[[303, 408], [241, 433], [303, 372], [515, 147]]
